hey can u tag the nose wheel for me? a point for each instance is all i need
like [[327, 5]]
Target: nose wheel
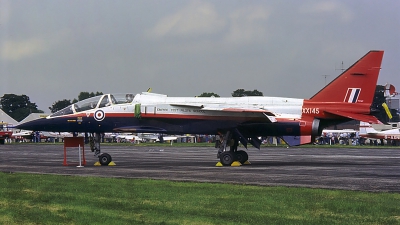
[[105, 159]]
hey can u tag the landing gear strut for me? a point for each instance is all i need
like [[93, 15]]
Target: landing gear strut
[[94, 141], [228, 157]]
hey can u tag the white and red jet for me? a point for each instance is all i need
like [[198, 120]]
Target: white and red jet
[[243, 119], [367, 131]]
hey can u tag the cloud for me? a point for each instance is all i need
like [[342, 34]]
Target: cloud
[[328, 7], [198, 18], [248, 25], [201, 20], [17, 50]]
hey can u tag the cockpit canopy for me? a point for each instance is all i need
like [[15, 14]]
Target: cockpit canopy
[[95, 102]]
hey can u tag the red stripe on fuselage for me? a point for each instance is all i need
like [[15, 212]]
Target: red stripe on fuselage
[[317, 109]]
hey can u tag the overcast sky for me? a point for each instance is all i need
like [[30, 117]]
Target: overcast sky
[[52, 50]]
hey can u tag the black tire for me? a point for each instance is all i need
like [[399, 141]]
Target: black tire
[[105, 159], [226, 158], [242, 156]]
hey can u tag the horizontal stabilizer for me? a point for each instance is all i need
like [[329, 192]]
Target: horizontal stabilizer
[[354, 116]]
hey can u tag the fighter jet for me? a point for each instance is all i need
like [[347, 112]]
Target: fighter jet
[[236, 119]]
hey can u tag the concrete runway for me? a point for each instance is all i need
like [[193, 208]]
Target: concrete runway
[[375, 170]]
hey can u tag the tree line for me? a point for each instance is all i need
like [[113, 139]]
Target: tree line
[[58, 105], [19, 106]]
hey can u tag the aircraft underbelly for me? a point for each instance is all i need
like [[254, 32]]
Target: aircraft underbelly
[[192, 126], [165, 125], [270, 129], [178, 126]]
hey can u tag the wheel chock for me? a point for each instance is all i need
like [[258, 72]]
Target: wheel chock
[[110, 164], [219, 164], [236, 163], [247, 163]]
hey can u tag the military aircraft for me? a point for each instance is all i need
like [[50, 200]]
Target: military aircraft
[[367, 131], [236, 119]]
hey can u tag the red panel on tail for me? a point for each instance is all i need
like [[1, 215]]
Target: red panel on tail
[[355, 85]]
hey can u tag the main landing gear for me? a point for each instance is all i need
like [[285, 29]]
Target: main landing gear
[[227, 157], [94, 141]]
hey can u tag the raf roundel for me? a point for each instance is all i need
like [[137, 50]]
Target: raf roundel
[[99, 115]]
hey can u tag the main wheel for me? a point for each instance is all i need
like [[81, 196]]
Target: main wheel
[[226, 158], [105, 159], [242, 156]]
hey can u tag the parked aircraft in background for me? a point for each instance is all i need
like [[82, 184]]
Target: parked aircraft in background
[[243, 119], [122, 137], [26, 134], [367, 131], [149, 137], [138, 138]]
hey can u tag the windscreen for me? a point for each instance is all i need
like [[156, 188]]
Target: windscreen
[[95, 102]]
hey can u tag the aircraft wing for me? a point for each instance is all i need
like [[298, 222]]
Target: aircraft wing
[[194, 105], [228, 108], [236, 109], [354, 116]]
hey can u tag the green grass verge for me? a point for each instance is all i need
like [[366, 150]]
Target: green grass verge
[[56, 199]]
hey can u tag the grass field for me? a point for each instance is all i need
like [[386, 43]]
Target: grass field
[[56, 199]]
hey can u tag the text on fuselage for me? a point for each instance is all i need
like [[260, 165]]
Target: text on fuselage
[[180, 110], [310, 110], [393, 137]]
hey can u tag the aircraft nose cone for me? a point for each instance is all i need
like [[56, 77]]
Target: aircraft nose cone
[[39, 124]]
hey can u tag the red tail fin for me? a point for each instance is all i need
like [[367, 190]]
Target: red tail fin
[[355, 85]]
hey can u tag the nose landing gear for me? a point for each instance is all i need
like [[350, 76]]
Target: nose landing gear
[[104, 159]]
